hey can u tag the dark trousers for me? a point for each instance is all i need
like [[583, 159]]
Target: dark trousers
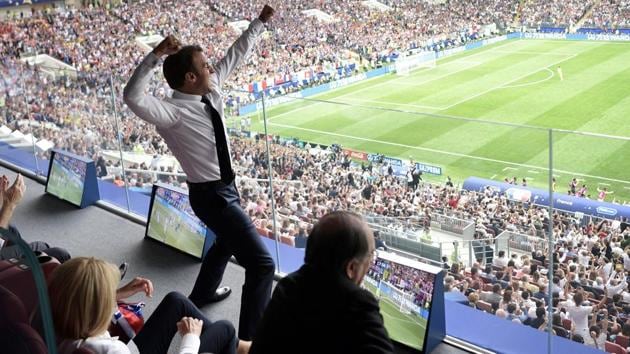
[[11, 250], [218, 206], [158, 331]]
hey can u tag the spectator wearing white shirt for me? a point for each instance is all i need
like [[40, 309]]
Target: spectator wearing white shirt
[[579, 313], [616, 286], [583, 258], [516, 260], [626, 260], [501, 260]]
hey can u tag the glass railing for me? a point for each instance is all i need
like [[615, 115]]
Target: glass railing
[[483, 189]]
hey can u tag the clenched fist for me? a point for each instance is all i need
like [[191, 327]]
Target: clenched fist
[[266, 13], [189, 325], [170, 45]]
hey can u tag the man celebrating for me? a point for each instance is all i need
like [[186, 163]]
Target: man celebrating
[[191, 123]]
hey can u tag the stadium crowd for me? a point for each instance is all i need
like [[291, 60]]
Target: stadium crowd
[[100, 43], [76, 115], [591, 298], [609, 15], [419, 284], [555, 13]]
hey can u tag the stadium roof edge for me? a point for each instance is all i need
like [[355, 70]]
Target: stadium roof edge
[[373, 4], [147, 43], [319, 14], [50, 65]]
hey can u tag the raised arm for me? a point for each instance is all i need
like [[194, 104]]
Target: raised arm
[[242, 47], [145, 106], [11, 197]]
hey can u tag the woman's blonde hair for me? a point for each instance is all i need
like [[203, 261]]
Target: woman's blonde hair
[[83, 297]]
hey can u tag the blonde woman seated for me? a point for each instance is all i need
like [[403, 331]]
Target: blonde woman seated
[[83, 299]]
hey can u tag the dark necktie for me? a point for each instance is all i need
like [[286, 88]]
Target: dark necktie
[[223, 153]]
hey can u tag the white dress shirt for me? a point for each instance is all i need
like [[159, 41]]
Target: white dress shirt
[[182, 119]]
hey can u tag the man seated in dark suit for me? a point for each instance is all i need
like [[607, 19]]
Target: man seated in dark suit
[[321, 308]]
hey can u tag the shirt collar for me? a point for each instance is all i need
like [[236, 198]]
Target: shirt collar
[[185, 96]]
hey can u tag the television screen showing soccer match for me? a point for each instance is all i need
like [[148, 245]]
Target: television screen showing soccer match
[[404, 289], [66, 177], [173, 222]]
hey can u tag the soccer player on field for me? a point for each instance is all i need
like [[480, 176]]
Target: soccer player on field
[[601, 196], [559, 70]]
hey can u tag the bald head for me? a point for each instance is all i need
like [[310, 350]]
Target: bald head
[[337, 239]]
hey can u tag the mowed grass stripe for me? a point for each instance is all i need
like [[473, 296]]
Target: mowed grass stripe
[[569, 149], [512, 105], [584, 81], [522, 145], [377, 84], [415, 130], [472, 136]]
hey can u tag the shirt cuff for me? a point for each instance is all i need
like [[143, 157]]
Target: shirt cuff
[[190, 344], [257, 26], [151, 60]]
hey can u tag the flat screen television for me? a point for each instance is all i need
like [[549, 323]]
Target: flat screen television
[[406, 290], [72, 178], [173, 222]]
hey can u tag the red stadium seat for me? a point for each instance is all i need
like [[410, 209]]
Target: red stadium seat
[[19, 280], [566, 323], [615, 348], [17, 334], [622, 340], [484, 306]]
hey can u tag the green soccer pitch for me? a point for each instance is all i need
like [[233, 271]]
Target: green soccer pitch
[[406, 329], [65, 185], [178, 234], [516, 82]]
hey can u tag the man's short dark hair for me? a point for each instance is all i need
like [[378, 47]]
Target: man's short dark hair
[[577, 338], [511, 307], [540, 312], [335, 240], [177, 65]]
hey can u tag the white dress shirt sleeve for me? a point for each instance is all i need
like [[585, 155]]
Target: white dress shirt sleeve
[[237, 52], [190, 344], [148, 108]]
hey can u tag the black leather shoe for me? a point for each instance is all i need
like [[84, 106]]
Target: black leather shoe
[[123, 269], [221, 294]]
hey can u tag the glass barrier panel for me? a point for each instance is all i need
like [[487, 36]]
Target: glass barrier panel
[[590, 223], [457, 192], [23, 115]]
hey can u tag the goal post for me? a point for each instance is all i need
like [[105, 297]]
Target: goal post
[[404, 64], [401, 299]]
